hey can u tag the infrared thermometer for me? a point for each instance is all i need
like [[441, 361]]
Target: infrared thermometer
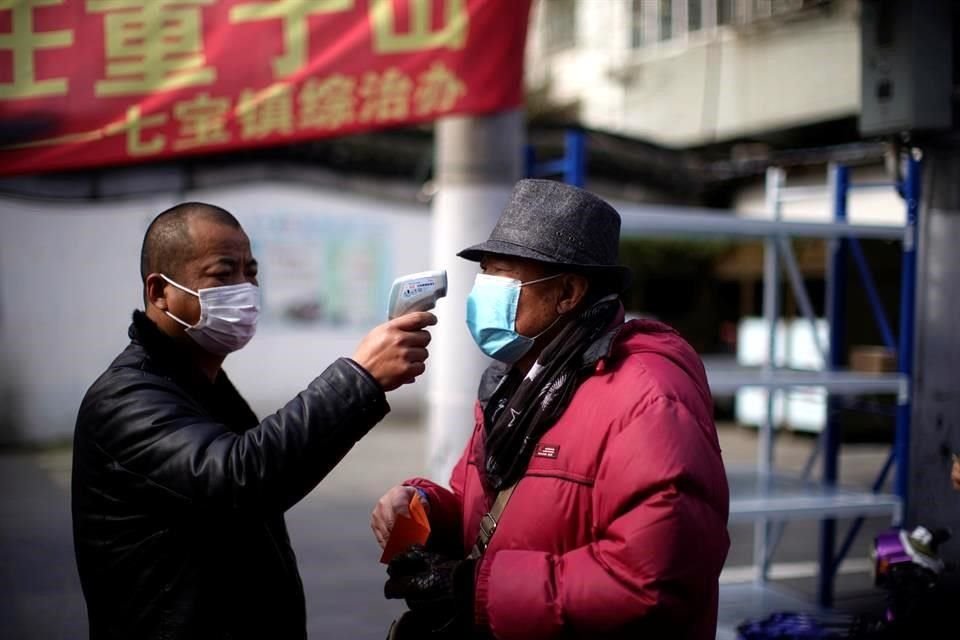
[[416, 292]]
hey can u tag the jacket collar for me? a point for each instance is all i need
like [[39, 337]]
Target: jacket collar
[[166, 352], [172, 359], [602, 347]]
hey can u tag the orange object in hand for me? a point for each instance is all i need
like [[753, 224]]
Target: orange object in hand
[[407, 531]]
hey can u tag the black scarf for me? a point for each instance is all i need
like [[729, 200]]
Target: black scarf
[[520, 411]]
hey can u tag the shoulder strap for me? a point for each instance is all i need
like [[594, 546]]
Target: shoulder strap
[[488, 523]]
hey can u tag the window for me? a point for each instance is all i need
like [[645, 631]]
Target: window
[[662, 20], [654, 21], [640, 14], [694, 15], [747, 11], [726, 11], [665, 19]]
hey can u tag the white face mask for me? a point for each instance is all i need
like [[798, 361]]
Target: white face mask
[[228, 316]]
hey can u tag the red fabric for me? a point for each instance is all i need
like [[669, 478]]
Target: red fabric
[[223, 75], [625, 530]]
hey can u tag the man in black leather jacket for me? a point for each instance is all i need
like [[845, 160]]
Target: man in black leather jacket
[[179, 490]]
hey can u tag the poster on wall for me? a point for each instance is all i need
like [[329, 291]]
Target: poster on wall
[[331, 272]]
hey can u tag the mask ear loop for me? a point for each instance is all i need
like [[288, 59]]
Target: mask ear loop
[[179, 286], [544, 279], [552, 325], [182, 288]]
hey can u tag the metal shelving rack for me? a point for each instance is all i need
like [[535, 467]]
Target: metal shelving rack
[[760, 494]]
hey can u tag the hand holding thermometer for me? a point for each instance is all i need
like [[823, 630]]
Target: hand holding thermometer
[[416, 292]]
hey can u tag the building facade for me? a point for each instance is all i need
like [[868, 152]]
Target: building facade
[[688, 73]]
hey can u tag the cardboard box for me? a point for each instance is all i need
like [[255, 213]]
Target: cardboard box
[[872, 359]]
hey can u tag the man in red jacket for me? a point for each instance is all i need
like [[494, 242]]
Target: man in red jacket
[[616, 526]]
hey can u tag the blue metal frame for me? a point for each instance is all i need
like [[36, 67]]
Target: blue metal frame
[[908, 292], [572, 165], [909, 189], [837, 317]]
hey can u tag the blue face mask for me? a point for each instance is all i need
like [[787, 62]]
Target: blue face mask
[[492, 317]]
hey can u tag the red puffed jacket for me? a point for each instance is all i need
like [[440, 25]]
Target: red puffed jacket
[[618, 528]]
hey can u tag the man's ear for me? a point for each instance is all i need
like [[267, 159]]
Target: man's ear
[[574, 288], [155, 291]]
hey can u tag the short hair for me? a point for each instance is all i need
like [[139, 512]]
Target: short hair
[[167, 244]]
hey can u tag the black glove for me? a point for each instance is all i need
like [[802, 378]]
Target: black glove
[[429, 580]]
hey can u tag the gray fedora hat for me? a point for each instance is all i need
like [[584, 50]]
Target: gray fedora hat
[[558, 224]]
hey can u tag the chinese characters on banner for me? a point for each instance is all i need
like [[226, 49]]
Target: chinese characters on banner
[[104, 82]]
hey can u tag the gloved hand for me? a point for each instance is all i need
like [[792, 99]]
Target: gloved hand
[[429, 580]]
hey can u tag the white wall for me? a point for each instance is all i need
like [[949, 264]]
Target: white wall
[[69, 280]]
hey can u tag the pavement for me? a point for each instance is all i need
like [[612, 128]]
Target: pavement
[[40, 595]]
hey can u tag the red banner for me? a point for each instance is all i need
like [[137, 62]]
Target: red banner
[[103, 82]]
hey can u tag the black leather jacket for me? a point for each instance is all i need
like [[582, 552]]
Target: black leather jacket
[[179, 493]]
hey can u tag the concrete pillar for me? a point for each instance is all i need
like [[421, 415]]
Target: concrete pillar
[[478, 160], [935, 428]]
